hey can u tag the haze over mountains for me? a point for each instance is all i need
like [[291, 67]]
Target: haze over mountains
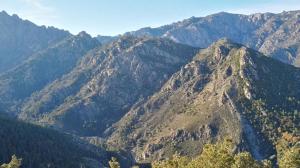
[[21, 38], [152, 92]]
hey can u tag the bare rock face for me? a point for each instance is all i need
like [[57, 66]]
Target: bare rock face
[[106, 83], [275, 35], [218, 94], [176, 138], [247, 71]]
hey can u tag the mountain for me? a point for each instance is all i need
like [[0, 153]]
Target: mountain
[[106, 39], [227, 90], [105, 84], [20, 38], [42, 147], [42, 68], [148, 94], [275, 35]]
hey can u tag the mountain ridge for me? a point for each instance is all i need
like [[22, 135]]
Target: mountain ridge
[[21, 38], [108, 76], [42, 68], [148, 94], [184, 115], [274, 35], [44, 147]]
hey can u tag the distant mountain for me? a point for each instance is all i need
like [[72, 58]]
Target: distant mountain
[[275, 35], [41, 147], [107, 82], [106, 39], [20, 38], [227, 90], [41, 69]]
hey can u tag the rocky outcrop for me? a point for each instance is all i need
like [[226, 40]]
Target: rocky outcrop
[[180, 119], [275, 35], [106, 83]]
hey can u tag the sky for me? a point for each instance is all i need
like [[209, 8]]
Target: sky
[[113, 17]]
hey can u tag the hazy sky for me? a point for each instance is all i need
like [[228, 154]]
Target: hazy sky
[[111, 17]]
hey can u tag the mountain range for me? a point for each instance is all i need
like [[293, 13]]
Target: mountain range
[[275, 35], [19, 39], [148, 94]]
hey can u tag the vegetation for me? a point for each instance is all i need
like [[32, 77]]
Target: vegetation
[[219, 155], [274, 109], [14, 163], [38, 147], [113, 163], [288, 151]]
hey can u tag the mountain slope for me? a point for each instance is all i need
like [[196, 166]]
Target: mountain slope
[[41, 147], [275, 35], [106, 83], [228, 90], [42, 68], [20, 38]]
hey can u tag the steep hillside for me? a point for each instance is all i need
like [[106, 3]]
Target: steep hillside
[[228, 90], [40, 147], [275, 35], [41, 69], [107, 82], [20, 38]]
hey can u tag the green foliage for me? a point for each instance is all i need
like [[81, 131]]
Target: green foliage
[[245, 160], [113, 163], [274, 106], [219, 155], [288, 151], [176, 162], [39, 147], [14, 163]]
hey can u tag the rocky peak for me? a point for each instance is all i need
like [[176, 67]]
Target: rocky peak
[[126, 41], [81, 40], [84, 34], [207, 92], [3, 13]]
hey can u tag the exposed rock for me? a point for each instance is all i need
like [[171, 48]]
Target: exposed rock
[[275, 35], [204, 101], [106, 83]]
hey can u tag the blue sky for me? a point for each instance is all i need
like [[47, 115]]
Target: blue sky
[[112, 17]]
